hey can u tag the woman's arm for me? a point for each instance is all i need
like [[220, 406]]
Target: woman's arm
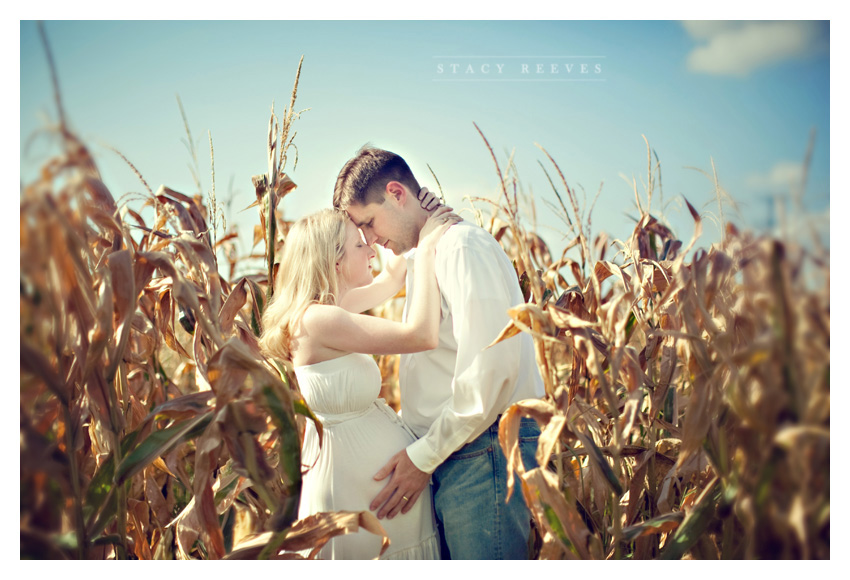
[[391, 279], [385, 286], [339, 329]]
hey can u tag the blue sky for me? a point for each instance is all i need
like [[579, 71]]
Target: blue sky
[[745, 94]]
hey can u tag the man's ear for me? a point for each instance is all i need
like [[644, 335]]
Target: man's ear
[[396, 192]]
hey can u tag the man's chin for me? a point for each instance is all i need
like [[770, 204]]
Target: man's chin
[[398, 248]]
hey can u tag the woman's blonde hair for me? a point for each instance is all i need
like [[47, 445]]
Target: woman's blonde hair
[[307, 275]]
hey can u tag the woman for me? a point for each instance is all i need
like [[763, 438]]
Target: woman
[[325, 281]]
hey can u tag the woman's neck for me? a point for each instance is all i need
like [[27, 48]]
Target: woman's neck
[[340, 294]]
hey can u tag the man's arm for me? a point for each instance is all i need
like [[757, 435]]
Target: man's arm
[[480, 285], [477, 287]]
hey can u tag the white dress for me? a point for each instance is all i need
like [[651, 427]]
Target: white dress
[[361, 433]]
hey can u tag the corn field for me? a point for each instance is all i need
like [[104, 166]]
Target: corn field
[[687, 400]]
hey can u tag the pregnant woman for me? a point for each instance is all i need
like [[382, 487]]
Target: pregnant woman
[[325, 281]]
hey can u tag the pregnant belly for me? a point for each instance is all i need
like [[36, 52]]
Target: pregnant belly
[[352, 453]]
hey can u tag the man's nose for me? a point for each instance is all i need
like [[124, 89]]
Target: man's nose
[[369, 236]]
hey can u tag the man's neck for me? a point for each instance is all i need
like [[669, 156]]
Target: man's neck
[[421, 217]]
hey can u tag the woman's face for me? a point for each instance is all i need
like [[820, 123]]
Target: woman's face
[[355, 267]]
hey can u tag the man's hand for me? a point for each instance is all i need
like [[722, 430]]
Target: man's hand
[[407, 481], [428, 200]]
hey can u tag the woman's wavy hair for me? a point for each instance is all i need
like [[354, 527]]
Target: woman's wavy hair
[[307, 275]]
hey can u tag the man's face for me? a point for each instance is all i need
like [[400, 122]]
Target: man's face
[[385, 224]]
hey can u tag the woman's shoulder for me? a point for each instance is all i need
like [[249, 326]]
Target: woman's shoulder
[[317, 322], [321, 314]]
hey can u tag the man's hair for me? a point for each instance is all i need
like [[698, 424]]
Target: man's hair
[[363, 179]]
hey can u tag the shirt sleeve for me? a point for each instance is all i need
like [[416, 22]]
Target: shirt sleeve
[[476, 284]]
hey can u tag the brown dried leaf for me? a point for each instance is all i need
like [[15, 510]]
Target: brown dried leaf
[[630, 413], [182, 291], [187, 224], [637, 486], [158, 505], [510, 330], [259, 234], [524, 318], [229, 367], [184, 407], [175, 195], [231, 307], [567, 320], [200, 224], [100, 195], [682, 469], [668, 367], [202, 379], [551, 425], [239, 423], [659, 525], [312, 533], [699, 417], [603, 270], [165, 324], [283, 185], [139, 522], [541, 492], [206, 461]]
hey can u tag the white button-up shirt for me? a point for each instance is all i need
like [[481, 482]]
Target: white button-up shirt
[[452, 394]]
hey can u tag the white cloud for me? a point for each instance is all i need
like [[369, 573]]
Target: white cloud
[[799, 224], [704, 29], [783, 177], [738, 48]]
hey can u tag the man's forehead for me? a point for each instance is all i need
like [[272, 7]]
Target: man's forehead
[[359, 214]]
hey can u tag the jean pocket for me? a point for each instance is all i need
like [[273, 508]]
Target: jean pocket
[[528, 430], [462, 453]]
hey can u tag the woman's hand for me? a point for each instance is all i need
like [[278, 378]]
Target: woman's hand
[[438, 222], [428, 199]]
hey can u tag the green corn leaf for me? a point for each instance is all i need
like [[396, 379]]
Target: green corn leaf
[[159, 443], [290, 447], [596, 456], [555, 523], [694, 525], [101, 483]]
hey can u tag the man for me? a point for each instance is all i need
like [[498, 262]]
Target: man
[[452, 397]]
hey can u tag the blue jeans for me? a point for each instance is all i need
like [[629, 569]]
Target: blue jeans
[[469, 499]]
